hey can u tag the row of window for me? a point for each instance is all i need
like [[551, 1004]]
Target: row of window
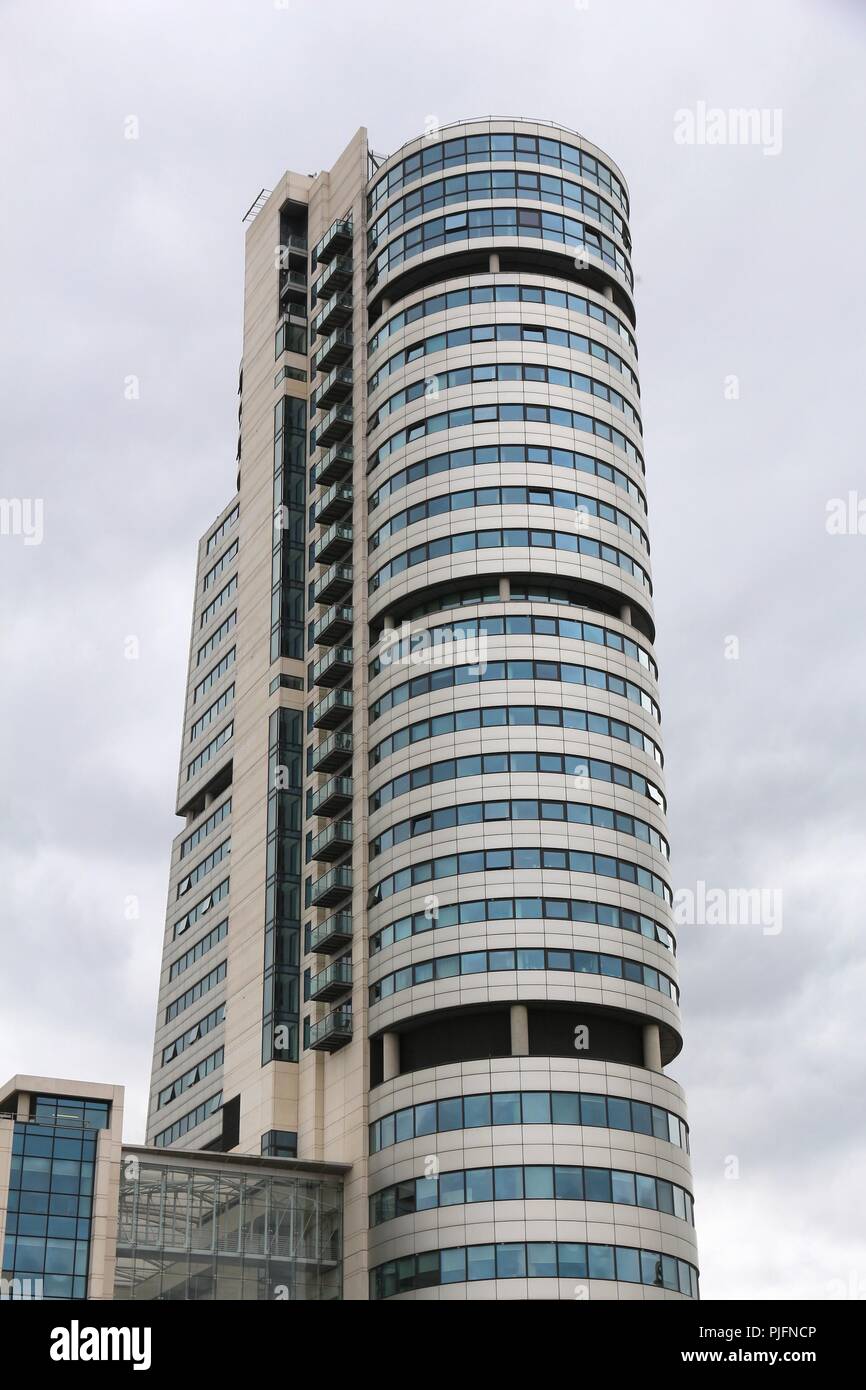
[[489, 149], [490, 185], [194, 1034], [524, 857], [216, 637], [289, 374], [204, 905], [533, 1260], [518, 496], [513, 716], [222, 812], [202, 946], [489, 223], [536, 1182], [502, 333], [511, 625], [223, 529], [444, 678], [202, 986], [212, 711], [204, 867], [505, 453], [210, 750], [502, 412], [216, 603], [490, 764], [522, 809], [528, 1108], [191, 1078], [215, 674], [501, 294], [482, 374], [69, 1111], [534, 958], [222, 564], [518, 910], [508, 538], [189, 1121]]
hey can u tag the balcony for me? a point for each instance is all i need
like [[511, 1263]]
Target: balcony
[[335, 796], [296, 312], [333, 842], [334, 752], [336, 425], [293, 285], [295, 249], [334, 584], [336, 241], [336, 314], [332, 1032], [335, 465], [336, 623], [335, 503], [333, 710], [336, 276], [338, 348], [335, 544], [334, 388], [333, 981], [333, 668], [332, 934], [333, 887]]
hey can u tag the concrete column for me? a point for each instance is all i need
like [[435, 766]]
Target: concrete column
[[505, 589], [388, 624], [625, 613], [390, 1056], [652, 1048], [608, 293], [386, 304], [519, 1030], [494, 262]]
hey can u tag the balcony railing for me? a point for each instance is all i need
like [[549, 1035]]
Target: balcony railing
[[334, 388], [333, 841], [332, 1032], [336, 241], [294, 283], [336, 314], [336, 623], [335, 465], [333, 668], [295, 248], [338, 348], [336, 425], [335, 544], [333, 710], [334, 584], [332, 934], [333, 752], [336, 276], [333, 888], [333, 797], [333, 981], [334, 503]]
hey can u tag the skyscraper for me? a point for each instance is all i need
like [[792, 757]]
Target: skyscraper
[[419, 914]]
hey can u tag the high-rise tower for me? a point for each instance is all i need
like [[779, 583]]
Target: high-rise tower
[[420, 910]]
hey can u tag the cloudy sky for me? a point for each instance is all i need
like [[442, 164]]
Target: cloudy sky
[[122, 258]]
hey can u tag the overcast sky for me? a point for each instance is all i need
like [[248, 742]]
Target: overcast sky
[[124, 258]]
